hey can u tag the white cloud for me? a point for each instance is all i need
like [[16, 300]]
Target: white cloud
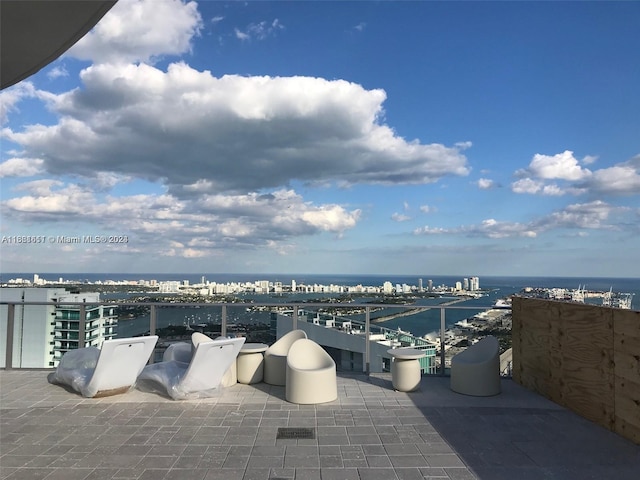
[[552, 190], [494, 229], [526, 185], [205, 223], [57, 72], [241, 35], [65, 202], [486, 184], [10, 97], [596, 215], [21, 167], [427, 209], [400, 217], [622, 179], [140, 31], [259, 31], [426, 230], [231, 134], [560, 166], [619, 179], [592, 215]]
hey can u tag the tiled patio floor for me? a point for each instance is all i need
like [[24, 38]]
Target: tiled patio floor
[[370, 433]]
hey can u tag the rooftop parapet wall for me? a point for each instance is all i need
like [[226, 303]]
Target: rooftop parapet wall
[[583, 357]]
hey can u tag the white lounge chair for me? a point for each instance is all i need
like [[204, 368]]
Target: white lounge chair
[[110, 370], [476, 370], [275, 358], [311, 374], [201, 377], [183, 351]]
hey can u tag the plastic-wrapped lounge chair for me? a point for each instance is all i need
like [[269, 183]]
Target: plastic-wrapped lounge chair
[[201, 377], [275, 358], [110, 370], [476, 370], [183, 351], [311, 374]]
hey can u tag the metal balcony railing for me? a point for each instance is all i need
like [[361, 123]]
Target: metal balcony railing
[[293, 309]]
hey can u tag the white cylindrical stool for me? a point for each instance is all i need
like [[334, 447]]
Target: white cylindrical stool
[[405, 368], [250, 363]]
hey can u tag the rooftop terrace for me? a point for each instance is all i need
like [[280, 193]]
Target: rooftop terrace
[[370, 433]]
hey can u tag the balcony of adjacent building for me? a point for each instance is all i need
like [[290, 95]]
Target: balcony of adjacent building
[[571, 410]]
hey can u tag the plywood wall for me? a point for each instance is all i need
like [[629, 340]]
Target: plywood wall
[[584, 357]]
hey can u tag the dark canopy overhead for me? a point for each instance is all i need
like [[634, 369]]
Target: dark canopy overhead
[[35, 33]]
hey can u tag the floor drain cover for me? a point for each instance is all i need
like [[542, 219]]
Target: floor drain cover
[[296, 433]]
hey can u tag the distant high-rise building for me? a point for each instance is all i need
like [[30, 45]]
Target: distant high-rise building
[[420, 289], [465, 284], [430, 285], [293, 286]]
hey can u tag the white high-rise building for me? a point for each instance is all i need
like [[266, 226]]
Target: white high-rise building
[[43, 333]]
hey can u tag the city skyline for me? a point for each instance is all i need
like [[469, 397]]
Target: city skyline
[[331, 137]]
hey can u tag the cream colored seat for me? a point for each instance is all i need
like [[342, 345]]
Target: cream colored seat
[[110, 370], [476, 370], [310, 375], [183, 351], [275, 358], [201, 377]]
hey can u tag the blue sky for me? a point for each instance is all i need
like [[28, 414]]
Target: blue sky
[[429, 138]]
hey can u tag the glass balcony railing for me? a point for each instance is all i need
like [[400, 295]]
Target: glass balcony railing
[[353, 333]]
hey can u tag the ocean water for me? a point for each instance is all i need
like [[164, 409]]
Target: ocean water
[[418, 324]]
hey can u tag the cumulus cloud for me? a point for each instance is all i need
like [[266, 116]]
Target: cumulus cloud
[[57, 72], [207, 223], [486, 184], [620, 179], [231, 134], [10, 97], [526, 185], [140, 31], [596, 215], [592, 215], [21, 167]]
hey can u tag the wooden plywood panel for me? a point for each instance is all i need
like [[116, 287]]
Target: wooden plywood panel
[[627, 413], [587, 379], [534, 345], [626, 340], [584, 357], [516, 328], [556, 327], [627, 357]]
